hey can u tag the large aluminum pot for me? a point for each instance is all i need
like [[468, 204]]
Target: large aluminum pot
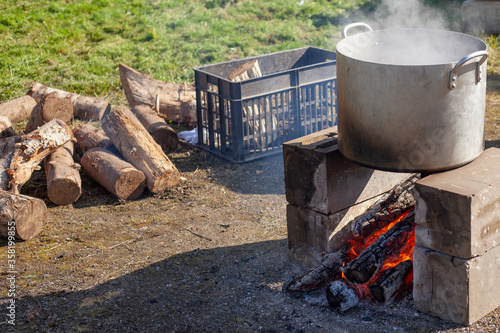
[[411, 99]]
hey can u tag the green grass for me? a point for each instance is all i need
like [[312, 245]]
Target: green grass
[[76, 45]]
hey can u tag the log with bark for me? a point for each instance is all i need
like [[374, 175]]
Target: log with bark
[[343, 295], [6, 129], [18, 109], [395, 203], [139, 148], [163, 134], [50, 107], [113, 173], [28, 215], [163, 97], [330, 268], [64, 185], [85, 108], [89, 137], [367, 264], [388, 283], [29, 150]]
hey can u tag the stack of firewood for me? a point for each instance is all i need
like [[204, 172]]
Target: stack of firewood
[[126, 156]]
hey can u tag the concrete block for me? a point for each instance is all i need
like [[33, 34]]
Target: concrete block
[[459, 290], [481, 16], [460, 208], [319, 177], [321, 232]]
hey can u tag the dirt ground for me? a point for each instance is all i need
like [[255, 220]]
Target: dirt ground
[[207, 256]]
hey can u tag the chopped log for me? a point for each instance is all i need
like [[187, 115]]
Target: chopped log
[[85, 108], [89, 137], [139, 148], [50, 107], [395, 203], [113, 173], [343, 295], [367, 264], [163, 134], [21, 216], [262, 124], [386, 286], [64, 185], [188, 114], [30, 150], [164, 97], [18, 109], [330, 268], [6, 129]]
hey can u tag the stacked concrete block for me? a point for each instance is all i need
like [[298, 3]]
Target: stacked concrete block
[[325, 192], [457, 257]]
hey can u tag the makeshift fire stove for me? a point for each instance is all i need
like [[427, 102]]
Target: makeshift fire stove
[[456, 260]]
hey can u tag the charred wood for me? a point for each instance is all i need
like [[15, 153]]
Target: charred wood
[[330, 268], [367, 264], [398, 201], [386, 286], [343, 295], [21, 216]]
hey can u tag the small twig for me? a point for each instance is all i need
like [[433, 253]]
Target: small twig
[[124, 242], [52, 247]]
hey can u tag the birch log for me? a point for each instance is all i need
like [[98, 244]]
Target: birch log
[[139, 148], [64, 185], [85, 108], [30, 150], [163, 134], [21, 216], [18, 109]]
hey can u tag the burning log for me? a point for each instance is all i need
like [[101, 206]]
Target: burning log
[[386, 286], [166, 98], [343, 295], [330, 268], [367, 264], [18, 109], [139, 148], [6, 129], [28, 151], [85, 108], [89, 137], [24, 214], [64, 185], [116, 175], [50, 107], [163, 134], [398, 201]]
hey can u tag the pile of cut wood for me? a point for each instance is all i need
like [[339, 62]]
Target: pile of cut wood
[[126, 156]]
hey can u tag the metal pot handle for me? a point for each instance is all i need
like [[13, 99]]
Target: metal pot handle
[[461, 62], [353, 25]]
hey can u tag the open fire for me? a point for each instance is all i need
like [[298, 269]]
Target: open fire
[[377, 261]]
